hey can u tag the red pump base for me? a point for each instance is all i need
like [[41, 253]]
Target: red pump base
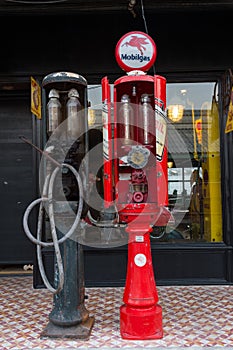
[[140, 315], [141, 324]]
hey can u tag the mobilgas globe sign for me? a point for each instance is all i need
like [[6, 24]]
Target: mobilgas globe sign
[[135, 50]]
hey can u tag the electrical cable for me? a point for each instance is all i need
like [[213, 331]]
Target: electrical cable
[[48, 190], [146, 28], [143, 17]]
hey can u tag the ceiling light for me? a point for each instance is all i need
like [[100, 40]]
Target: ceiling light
[[175, 112]]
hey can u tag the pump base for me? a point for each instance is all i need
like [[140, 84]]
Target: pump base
[[141, 323], [79, 331]]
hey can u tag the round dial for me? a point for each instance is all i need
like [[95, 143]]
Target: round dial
[[138, 157]]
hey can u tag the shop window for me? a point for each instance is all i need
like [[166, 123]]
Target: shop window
[[194, 177]]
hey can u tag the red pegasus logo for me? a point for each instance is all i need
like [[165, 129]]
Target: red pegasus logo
[[137, 42]]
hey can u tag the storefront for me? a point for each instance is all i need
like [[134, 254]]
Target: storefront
[[195, 57]]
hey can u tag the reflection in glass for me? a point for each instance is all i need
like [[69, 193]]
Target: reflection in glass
[[194, 178], [196, 205]]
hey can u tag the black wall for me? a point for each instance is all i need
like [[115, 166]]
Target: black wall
[[188, 41], [16, 178]]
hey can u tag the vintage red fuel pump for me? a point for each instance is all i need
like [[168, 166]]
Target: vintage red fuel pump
[[135, 175]]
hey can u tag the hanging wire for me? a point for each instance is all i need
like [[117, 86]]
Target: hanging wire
[[146, 28], [143, 17]]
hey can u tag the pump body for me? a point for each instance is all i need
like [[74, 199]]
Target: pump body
[[66, 102], [135, 182], [64, 190], [135, 175]]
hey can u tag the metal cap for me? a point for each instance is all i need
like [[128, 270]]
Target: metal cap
[[53, 93], [73, 93]]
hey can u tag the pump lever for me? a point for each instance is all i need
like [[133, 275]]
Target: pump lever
[[45, 153]]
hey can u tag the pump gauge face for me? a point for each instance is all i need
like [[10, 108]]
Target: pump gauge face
[[138, 157]]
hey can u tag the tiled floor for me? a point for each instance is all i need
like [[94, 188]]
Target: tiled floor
[[193, 316]]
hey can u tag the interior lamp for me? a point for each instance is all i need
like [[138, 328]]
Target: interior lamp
[[175, 112], [175, 109]]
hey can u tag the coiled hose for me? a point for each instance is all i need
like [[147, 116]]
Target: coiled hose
[[47, 196]]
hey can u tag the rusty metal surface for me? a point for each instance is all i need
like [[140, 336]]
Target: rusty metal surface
[[80, 331]]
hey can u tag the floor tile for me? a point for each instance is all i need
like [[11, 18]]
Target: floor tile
[[193, 316]]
